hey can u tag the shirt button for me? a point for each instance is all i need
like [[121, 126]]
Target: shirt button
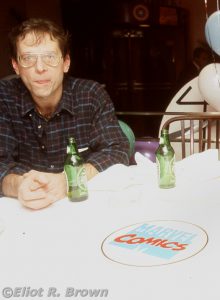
[[39, 126], [51, 166], [30, 115], [58, 115], [42, 147]]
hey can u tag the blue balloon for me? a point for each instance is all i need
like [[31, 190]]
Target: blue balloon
[[212, 31]]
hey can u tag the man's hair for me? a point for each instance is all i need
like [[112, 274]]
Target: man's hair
[[198, 51], [39, 27]]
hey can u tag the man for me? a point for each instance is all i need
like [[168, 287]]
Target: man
[[41, 109], [201, 57]]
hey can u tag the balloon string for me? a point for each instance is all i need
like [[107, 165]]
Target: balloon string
[[214, 56], [206, 10], [212, 52]]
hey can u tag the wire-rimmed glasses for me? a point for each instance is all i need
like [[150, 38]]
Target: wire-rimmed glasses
[[29, 59]]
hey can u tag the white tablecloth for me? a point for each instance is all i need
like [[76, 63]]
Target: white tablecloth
[[60, 246]]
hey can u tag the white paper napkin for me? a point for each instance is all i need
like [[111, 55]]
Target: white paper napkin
[[2, 226], [193, 169], [120, 177], [115, 178], [146, 170], [198, 167]]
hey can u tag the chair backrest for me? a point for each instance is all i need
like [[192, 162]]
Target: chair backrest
[[197, 132]]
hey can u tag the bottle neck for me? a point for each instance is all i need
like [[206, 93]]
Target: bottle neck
[[72, 147], [164, 138]]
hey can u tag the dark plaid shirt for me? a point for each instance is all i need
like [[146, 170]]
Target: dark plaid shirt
[[85, 112]]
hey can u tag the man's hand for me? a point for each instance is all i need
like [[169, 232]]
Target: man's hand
[[91, 171], [38, 189]]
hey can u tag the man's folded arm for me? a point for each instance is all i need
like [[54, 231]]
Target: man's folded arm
[[11, 177], [10, 185]]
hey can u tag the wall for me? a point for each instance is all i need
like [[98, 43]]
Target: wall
[[11, 12], [197, 20], [44, 8], [14, 11]]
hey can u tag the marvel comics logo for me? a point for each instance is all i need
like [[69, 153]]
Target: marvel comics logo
[[155, 243]]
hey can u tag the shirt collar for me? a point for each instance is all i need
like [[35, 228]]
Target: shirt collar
[[27, 104]]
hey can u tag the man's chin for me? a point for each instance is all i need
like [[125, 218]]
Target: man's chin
[[40, 93]]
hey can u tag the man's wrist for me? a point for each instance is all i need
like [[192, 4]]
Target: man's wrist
[[11, 184]]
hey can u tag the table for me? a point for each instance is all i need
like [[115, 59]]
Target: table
[[56, 252]]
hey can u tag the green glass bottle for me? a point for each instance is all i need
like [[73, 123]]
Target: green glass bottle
[[75, 173], [165, 158]]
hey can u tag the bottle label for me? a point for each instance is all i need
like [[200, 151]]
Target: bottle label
[[77, 181], [81, 178], [166, 172]]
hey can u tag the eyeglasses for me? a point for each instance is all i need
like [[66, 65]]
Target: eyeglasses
[[29, 60]]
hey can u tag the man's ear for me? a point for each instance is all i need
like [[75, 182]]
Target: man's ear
[[66, 63], [15, 66]]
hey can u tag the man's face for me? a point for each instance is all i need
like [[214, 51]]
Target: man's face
[[42, 80]]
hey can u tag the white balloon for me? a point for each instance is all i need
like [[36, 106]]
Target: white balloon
[[209, 84]]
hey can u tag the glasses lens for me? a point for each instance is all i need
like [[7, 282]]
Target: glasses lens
[[51, 59], [27, 60]]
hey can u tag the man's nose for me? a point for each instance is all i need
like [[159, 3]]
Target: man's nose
[[40, 65]]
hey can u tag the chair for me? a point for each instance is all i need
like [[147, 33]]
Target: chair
[[198, 132]]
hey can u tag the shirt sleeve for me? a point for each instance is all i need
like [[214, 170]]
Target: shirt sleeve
[[109, 144], [8, 147]]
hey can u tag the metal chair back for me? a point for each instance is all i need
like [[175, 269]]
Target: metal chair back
[[197, 132]]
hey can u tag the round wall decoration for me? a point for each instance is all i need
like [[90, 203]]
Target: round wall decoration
[[140, 12]]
